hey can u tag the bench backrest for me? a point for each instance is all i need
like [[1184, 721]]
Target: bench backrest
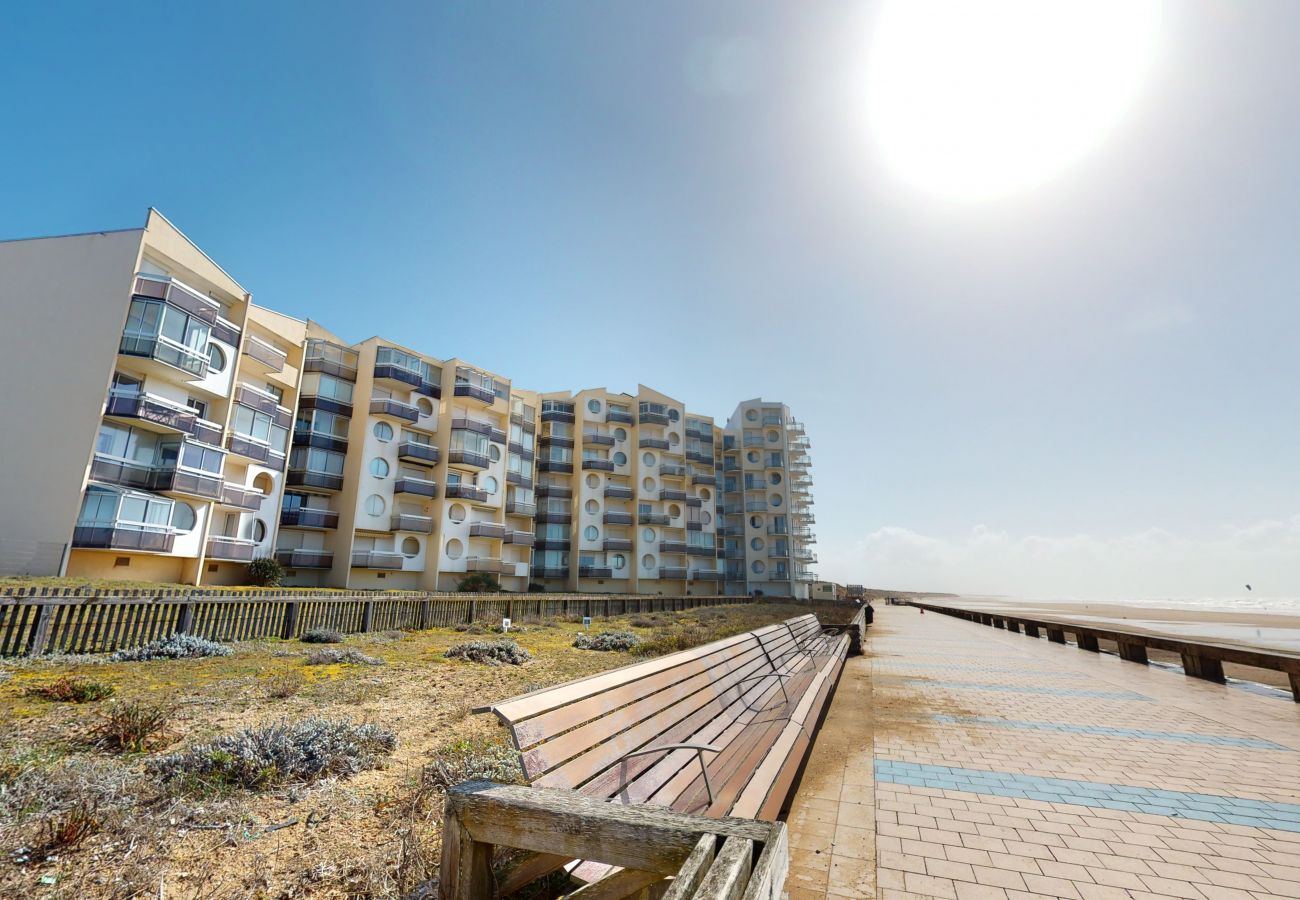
[[577, 735]]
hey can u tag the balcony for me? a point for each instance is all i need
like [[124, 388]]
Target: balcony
[[163, 349], [416, 487], [309, 478], [672, 573], [695, 431], [779, 552], [704, 479], [519, 450], [546, 489], [461, 490], [617, 518], [598, 440], [595, 572], [597, 465], [755, 506], [328, 404], [755, 485], [550, 571], [474, 425], [618, 416], [701, 550], [389, 367], [153, 410], [653, 417], [177, 294], [699, 456], [519, 538], [653, 518], [489, 564], [672, 494], [617, 544], [241, 497], [520, 479], [376, 559], [261, 401], [694, 526], [520, 508], [247, 447], [487, 530], [319, 439], [796, 427], [548, 517], [554, 465], [551, 544], [306, 517], [387, 406], [123, 537], [523, 414], [469, 458], [753, 440], [672, 546], [773, 419], [705, 575], [618, 492], [273, 358], [231, 549], [323, 356], [145, 476], [305, 559], [561, 413], [414, 452], [557, 440], [411, 522], [474, 392], [672, 470], [649, 443]]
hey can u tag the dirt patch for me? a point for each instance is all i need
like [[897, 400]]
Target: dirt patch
[[372, 835]]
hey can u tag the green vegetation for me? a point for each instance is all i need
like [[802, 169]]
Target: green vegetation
[[72, 690]]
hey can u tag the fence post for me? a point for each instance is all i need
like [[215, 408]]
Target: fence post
[[39, 641], [424, 614], [290, 626], [473, 609], [185, 623], [510, 609], [367, 615]]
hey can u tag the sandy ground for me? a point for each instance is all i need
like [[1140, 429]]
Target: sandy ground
[[373, 835], [1273, 631]]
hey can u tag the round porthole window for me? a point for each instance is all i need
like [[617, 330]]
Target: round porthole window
[[620, 459], [425, 406], [751, 415], [648, 484], [647, 561], [619, 561], [494, 453], [704, 494], [775, 478], [375, 505], [379, 467], [620, 434], [259, 530], [752, 456], [674, 510], [456, 513], [756, 543], [593, 406], [383, 432], [673, 439], [758, 567], [489, 484], [706, 518], [592, 507], [183, 517], [673, 415], [593, 481], [410, 547], [454, 549], [773, 437], [216, 358], [776, 499], [648, 459], [591, 532], [755, 521], [648, 535]]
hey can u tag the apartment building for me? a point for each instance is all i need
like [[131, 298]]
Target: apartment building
[[198, 431]]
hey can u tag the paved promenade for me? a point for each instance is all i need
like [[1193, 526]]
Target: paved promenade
[[963, 762]]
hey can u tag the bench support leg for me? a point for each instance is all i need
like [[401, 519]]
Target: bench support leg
[[1133, 652], [999, 623], [1203, 667], [1086, 642], [466, 872], [1031, 631], [1013, 626], [1295, 686], [1056, 635]]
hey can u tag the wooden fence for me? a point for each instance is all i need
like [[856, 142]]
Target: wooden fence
[[65, 621]]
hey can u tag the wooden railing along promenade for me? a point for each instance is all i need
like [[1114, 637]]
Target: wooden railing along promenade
[[1201, 659], [39, 621]]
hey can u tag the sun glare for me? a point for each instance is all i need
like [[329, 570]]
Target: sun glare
[[976, 100]]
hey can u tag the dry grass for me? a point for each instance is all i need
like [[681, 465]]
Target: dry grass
[[372, 834]]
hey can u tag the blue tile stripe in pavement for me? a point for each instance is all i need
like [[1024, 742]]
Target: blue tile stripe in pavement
[[1030, 689], [1156, 802], [1216, 740]]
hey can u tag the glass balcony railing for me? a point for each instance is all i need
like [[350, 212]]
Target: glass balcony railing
[[123, 536], [301, 558]]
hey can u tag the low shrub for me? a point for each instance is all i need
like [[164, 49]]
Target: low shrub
[[281, 687], [72, 690], [493, 653], [321, 636], [178, 646], [351, 656], [474, 760], [265, 571], [606, 641], [258, 758], [478, 583], [131, 727], [649, 621], [471, 628], [50, 806]]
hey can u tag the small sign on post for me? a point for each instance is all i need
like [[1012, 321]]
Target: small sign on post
[[586, 622], [505, 626]]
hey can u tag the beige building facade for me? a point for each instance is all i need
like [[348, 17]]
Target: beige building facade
[[198, 431]]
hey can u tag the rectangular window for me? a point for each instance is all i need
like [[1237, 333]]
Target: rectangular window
[[335, 389]]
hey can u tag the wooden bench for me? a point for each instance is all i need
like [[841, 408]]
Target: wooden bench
[[718, 730]]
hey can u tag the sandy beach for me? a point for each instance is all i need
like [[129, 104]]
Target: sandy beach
[[1278, 631]]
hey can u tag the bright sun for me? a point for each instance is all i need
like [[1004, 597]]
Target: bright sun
[[976, 100]]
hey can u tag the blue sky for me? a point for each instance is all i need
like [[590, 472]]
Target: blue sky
[[1088, 388]]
